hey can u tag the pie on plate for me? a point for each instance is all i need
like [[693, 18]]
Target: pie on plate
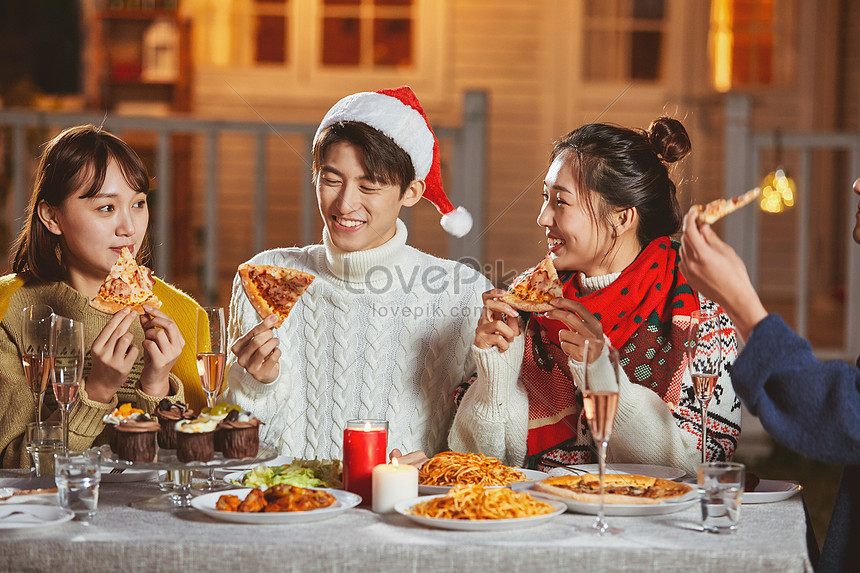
[[532, 291], [273, 290], [128, 285]]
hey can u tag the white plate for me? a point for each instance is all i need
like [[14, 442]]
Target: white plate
[[23, 516], [403, 508], [769, 490], [531, 475], [42, 498], [128, 475], [663, 472], [278, 461], [343, 500], [625, 510]]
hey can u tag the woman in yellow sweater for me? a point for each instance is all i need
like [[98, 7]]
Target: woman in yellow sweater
[[90, 201]]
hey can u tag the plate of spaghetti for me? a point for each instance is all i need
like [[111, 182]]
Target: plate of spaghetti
[[476, 508], [447, 469]]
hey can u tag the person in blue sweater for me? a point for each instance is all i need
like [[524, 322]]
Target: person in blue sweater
[[809, 406]]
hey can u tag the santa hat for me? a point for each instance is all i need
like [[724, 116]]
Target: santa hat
[[397, 113]]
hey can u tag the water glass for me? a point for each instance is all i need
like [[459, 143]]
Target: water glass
[[721, 488], [78, 475], [42, 441]]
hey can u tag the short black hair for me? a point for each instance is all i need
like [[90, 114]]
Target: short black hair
[[384, 161]]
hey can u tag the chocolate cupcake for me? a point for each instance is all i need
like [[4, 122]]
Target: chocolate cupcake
[[168, 413], [240, 435], [135, 439], [195, 439], [115, 418]]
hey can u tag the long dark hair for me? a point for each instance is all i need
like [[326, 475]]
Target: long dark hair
[[74, 162], [628, 168]]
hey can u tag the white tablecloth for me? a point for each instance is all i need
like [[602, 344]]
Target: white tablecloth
[[771, 537]]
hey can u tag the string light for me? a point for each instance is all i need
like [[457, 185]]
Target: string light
[[777, 192]]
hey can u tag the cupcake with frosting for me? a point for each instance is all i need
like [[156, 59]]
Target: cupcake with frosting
[[168, 413], [240, 435], [195, 439], [218, 413], [132, 433], [122, 412]]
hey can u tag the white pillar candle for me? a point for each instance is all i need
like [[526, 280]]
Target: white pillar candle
[[393, 483]]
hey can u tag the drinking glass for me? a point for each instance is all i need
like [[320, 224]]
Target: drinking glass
[[36, 351], [721, 489], [67, 342], [704, 356], [78, 475], [211, 360], [42, 441], [600, 401]]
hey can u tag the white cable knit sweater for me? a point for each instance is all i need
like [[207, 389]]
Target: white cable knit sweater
[[383, 333], [493, 416]]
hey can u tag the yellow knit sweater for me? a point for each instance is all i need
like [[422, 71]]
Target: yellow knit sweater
[[85, 427]]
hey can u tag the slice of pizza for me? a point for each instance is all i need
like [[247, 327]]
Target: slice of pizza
[[128, 285], [719, 208], [273, 290], [618, 488], [533, 290]]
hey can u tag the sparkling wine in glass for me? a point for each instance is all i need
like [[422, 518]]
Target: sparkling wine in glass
[[36, 351], [211, 350], [211, 359], [600, 401], [67, 343], [704, 356]]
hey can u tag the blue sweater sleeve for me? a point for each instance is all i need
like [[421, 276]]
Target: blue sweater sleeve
[[809, 406]]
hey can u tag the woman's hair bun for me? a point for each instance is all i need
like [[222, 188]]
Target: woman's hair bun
[[669, 139]]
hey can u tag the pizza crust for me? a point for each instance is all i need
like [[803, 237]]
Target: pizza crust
[[112, 307], [525, 305]]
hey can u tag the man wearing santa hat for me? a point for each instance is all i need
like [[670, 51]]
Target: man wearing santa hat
[[385, 330]]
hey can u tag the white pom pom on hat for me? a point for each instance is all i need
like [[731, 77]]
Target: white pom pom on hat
[[398, 114]]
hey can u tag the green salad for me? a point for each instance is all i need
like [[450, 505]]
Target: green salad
[[302, 473]]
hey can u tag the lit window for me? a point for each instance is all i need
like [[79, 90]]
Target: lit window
[[742, 43], [270, 31], [623, 39], [367, 33]]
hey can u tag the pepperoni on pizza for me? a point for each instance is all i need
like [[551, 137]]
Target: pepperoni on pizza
[[719, 208], [273, 290], [533, 290], [128, 285]]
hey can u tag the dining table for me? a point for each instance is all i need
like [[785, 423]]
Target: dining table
[[770, 537]]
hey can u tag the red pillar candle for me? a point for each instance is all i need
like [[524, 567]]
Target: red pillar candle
[[364, 447]]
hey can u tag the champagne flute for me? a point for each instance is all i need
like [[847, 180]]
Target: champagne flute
[[704, 355], [67, 343], [36, 355], [600, 401], [211, 359]]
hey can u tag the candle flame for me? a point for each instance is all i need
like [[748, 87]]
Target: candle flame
[[394, 462], [367, 426]]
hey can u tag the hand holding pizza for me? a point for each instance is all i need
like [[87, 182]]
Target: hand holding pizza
[[714, 269], [257, 351], [113, 354], [581, 324], [499, 322], [162, 345]]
